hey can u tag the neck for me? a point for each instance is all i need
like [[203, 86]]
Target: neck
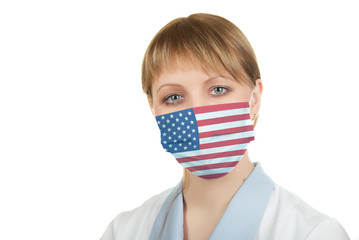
[[216, 194]]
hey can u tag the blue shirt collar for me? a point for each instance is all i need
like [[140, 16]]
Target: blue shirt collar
[[240, 220]]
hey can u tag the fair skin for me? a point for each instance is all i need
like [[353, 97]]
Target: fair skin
[[189, 86]]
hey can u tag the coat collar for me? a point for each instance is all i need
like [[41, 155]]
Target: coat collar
[[240, 220]]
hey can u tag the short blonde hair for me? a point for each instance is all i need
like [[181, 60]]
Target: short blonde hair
[[211, 41]]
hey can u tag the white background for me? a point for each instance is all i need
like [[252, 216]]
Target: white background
[[78, 143]]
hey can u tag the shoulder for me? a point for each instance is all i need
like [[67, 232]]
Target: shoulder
[[137, 223], [288, 217]]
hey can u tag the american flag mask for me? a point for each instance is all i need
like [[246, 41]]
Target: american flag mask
[[210, 140]]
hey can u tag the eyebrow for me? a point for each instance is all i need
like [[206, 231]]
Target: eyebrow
[[219, 76], [169, 84], [208, 80]]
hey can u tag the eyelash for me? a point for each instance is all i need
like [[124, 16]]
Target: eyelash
[[166, 98], [220, 86]]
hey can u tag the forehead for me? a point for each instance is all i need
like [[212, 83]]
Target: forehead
[[185, 66]]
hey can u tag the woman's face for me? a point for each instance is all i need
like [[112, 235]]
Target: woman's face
[[189, 86]]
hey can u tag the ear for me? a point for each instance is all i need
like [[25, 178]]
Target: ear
[[256, 98]]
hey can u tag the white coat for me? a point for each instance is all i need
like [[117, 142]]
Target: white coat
[[260, 210]]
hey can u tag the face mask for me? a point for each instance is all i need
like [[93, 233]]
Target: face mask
[[209, 140]]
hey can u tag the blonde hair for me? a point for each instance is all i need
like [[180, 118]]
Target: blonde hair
[[212, 41]]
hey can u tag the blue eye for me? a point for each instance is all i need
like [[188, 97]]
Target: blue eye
[[219, 90], [174, 98]]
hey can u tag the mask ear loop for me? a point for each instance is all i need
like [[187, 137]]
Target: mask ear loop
[[250, 100]]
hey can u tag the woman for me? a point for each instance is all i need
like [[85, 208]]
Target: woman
[[204, 88]]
